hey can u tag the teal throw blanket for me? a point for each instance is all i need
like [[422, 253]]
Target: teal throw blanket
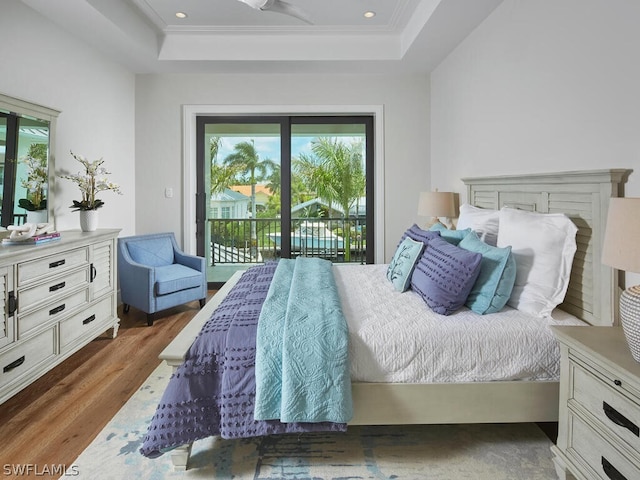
[[302, 347]]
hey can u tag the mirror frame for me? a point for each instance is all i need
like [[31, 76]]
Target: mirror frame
[[24, 108]]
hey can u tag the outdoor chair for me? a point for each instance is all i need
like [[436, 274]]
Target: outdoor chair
[[155, 274]]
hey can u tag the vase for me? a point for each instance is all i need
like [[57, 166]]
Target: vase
[[88, 220], [37, 216]]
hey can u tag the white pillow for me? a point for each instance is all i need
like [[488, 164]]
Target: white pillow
[[543, 245], [483, 221]]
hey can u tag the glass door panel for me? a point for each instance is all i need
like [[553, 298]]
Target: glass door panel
[[328, 191], [242, 195]]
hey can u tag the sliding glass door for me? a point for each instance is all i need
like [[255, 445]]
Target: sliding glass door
[[280, 187]]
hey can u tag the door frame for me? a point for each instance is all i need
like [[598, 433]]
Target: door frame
[[189, 145]]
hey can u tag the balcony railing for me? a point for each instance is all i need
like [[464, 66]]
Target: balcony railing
[[245, 240]]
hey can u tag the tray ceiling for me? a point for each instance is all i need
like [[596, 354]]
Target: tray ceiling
[[229, 36]]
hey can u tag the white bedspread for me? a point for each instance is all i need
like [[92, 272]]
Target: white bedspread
[[396, 337]]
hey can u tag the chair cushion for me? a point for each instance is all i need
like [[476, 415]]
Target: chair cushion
[[153, 252], [176, 277]]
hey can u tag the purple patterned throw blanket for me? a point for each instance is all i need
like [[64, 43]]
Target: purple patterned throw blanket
[[213, 391]]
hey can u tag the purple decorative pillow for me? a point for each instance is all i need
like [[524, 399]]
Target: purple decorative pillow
[[444, 275], [419, 235]]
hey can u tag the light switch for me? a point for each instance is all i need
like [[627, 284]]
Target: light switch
[[168, 192]]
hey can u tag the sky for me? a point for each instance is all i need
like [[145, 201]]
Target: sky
[[269, 147]]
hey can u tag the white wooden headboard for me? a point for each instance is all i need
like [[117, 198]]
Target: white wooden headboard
[[584, 197]]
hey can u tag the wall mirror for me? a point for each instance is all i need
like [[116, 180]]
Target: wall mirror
[[27, 138]]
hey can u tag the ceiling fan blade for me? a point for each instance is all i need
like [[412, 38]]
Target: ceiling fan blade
[[279, 6], [257, 4], [286, 8]]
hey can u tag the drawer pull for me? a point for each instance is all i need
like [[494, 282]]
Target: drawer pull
[[619, 419], [611, 471], [13, 365], [617, 383], [94, 273], [58, 309], [58, 286], [57, 263], [12, 304], [89, 319]]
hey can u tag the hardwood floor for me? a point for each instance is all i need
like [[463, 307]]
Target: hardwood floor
[[55, 418]]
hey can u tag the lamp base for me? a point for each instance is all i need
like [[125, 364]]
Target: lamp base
[[445, 221], [630, 319]]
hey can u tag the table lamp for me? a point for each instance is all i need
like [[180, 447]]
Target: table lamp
[[621, 251], [437, 205]]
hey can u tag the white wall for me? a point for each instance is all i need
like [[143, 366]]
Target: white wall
[[540, 86], [45, 65], [159, 100]]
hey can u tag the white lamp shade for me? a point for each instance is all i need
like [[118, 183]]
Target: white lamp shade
[[622, 235], [436, 204]]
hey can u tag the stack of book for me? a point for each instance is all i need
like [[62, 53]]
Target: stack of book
[[34, 240]]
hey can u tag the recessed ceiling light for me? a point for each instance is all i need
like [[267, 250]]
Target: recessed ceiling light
[[369, 14], [181, 15]]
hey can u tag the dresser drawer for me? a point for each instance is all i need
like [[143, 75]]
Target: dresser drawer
[[21, 359], [30, 298], [594, 453], [52, 312], [84, 323], [51, 265], [600, 398]]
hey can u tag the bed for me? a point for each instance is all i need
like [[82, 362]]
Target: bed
[[590, 298]]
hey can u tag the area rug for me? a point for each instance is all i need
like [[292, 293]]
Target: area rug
[[438, 452]]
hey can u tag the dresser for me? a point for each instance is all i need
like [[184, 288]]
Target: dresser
[[599, 417], [58, 296]]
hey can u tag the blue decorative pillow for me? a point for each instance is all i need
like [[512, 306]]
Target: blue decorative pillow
[[402, 264], [497, 276], [444, 275], [451, 236]]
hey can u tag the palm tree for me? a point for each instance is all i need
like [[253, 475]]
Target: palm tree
[[246, 161], [336, 172], [274, 179], [214, 148], [316, 176], [221, 176]]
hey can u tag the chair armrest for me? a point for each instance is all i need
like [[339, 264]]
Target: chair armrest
[[191, 261], [136, 282], [140, 271]]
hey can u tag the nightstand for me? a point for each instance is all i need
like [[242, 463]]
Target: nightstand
[[599, 416]]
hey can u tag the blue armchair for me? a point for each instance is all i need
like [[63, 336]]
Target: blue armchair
[[155, 274]]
